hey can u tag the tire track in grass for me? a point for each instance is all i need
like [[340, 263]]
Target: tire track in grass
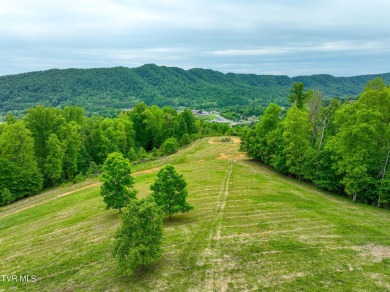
[[201, 256], [215, 279]]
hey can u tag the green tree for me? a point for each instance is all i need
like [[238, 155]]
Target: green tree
[[169, 125], [72, 146], [42, 122], [99, 144], [54, 160], [297, 94], [73, 114], [141, 154], [185, 139], [169, 146], [296, 138], [182, 129], [363, 140], [19, 170], [269, 121], [189, 119], [169, 191], [139, 116], [121, 137], [315, 109], [6, 197], [132, 154], [117, 189], [138, 240], [276, 150]]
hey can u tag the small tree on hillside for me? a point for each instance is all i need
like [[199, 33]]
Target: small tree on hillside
[[138, 240], [185, 139], [117, 189], [169, 191], [169, 146], [132, 154]]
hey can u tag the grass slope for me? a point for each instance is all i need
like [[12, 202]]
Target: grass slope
[[250, 229]]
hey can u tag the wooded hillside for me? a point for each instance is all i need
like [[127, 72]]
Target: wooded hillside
[[104, 91]]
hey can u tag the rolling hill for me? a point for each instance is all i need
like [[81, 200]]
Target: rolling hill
[[251, 229], [102, 90]]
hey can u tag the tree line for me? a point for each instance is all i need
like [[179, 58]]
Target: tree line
[[342, 148], [49, 146]]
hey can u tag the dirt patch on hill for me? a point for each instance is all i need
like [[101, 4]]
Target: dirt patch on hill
[[223, 156], [235, 140], [214, 141], [236, 156], [79, 189], [376, 252]]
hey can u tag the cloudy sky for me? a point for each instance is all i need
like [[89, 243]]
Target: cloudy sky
[[300, 37]]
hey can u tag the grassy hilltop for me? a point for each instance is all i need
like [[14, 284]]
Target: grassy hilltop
[[251, 228]]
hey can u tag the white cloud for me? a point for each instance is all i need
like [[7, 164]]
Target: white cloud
[[199, 33], [337, 46]]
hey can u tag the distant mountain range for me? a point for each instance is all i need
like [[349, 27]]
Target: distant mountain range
[[104, 90]]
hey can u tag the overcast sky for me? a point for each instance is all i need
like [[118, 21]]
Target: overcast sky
[[300, 37]]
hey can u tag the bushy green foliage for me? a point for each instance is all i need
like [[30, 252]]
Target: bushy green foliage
[[117, 188], [54, 160], [297, 95], [79, 178], [340, 148], [141, 155], [138, 240], [132, 154], [19, 169], [169, 191], [185, 139], [296, 136], [6, 197], [169, 146]]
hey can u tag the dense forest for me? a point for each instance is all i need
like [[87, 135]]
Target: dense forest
[[50, 145], [343, 148], [107, 91]]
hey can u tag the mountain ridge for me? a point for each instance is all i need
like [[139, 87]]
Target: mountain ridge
[[100, 90]]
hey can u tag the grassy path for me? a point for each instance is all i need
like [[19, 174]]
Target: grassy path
[[251, 229]]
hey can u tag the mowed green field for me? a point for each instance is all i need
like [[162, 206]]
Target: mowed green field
[[250, 229]]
